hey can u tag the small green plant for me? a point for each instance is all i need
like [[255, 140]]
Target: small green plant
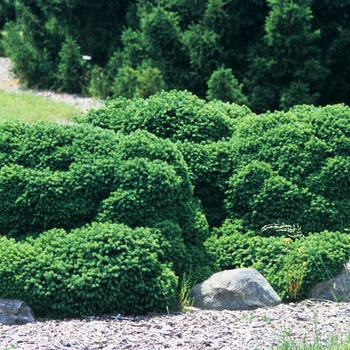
[[267, 319], [184, 300], [248, 319], [99, 85]]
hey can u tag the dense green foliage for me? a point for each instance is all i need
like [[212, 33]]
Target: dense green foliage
[[200, 130], [174, 115], [102, 268], [66, 176], [266, 168], [223, 86], [40, 40], [269, 54], [285, 262], [283, 167], [292, 167], [152, 189]]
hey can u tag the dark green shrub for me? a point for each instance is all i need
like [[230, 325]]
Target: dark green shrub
[[291, 265], [147, 192], [53, 176], [70, 69], [223, 86], [99, 269], [66, 176], [142, 82], [43, 28], [200, 129], [177, 115], [152, 187], [24, 55], [291, 167], [210, 167], [260, 196]]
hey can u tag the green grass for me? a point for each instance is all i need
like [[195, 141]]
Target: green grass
[[30, 108], [333, 343]]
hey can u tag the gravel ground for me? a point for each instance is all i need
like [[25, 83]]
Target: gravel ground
[[258, 329], [263, 328]]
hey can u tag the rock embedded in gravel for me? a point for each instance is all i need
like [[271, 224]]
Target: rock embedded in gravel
[[237, 289]]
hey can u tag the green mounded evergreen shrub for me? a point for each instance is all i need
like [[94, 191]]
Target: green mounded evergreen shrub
[[200, 129], [98, 269], [291, 167], [66, 176], [174, 115], [142, 82], [152, 187], [53, 176], [291, 263]]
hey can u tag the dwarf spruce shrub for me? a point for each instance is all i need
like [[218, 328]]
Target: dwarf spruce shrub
[[291, 167], [98, 269], [174, 115], [53, 176], [70, 69]]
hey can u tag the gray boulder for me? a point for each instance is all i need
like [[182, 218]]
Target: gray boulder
[[239, 289], [335, 289], [15, 312]]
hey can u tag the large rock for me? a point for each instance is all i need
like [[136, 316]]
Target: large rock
[[240, 289], [15, 312], [335, 289]]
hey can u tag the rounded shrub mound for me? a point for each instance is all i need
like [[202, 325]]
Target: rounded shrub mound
[[98, 269], [291, 167], [200, 129], [174, 115], [53, 175], [152, 188], [291, 262]]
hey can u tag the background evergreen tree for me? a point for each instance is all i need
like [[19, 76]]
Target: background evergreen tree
[[286, 68], [223, 86], [283, 52]]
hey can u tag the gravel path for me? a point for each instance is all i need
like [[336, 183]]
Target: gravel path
[[10, 84], [225, 330]]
